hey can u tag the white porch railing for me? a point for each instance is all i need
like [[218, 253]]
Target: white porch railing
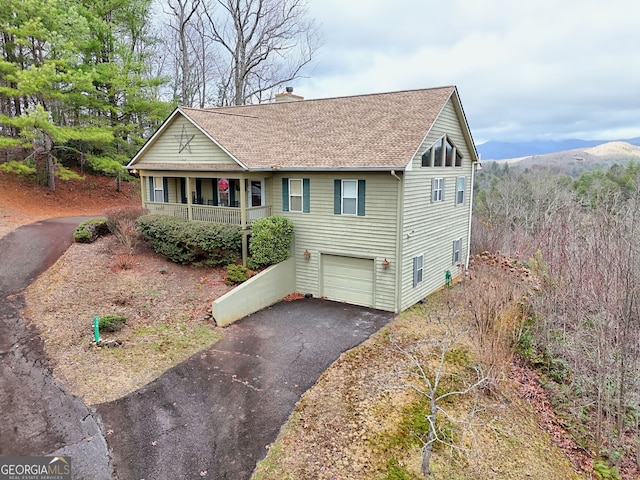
[[208, 213], [254, 213], [171, 209]]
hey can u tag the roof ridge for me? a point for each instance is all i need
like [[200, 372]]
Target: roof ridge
[[306, 101]]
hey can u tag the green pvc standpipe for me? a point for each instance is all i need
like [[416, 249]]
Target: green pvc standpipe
[[96, 331]]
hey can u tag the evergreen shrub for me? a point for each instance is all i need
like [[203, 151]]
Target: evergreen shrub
[[270, 242], [236, 274], [111, 323], [90, 230], [190, 242]]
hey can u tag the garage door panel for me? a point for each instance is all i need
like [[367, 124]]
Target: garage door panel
[[348, 279]]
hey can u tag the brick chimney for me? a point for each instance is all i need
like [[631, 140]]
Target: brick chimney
[[288, 96]]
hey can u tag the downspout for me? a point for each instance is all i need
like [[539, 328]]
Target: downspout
[[474, 165], [399, 234]]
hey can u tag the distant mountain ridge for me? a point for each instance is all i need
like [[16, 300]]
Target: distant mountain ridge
[[574, 162], [493, 150]]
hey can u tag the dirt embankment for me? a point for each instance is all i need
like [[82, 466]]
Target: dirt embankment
[[22, 202]]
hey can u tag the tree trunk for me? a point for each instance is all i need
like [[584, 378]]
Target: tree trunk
[[426, 459], [428, 446], [48, 152]]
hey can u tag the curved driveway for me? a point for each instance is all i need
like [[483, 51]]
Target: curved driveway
[[209, 417], [217, 411], [38, 416]]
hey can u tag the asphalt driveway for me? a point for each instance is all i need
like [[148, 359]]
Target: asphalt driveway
[[213, 415], [39, 417], [209, 417]]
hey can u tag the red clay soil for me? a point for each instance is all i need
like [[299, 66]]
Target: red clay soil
[[22, 202]]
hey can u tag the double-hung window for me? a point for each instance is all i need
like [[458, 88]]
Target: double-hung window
[[296, 195], [457, 252], [349, 197], [460, 183], [437, 189], [418, 269], [157, 187]]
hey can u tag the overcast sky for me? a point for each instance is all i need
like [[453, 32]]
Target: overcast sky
[[525, 69]]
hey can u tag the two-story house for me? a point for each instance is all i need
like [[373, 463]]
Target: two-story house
[[379, 186]]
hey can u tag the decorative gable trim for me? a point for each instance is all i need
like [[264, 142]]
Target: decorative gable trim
[[165, 125]]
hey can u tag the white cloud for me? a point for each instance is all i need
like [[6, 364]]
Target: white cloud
[[525, 70]]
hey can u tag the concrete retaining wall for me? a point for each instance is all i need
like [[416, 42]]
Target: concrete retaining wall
[[260, 291]]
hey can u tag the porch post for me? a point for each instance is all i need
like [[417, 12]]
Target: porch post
[[243, 221], [243, 204], [188, 193]]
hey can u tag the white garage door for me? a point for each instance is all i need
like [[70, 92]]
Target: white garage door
[[348, 279]]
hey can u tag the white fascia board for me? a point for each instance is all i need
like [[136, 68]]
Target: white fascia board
[[165, 125]]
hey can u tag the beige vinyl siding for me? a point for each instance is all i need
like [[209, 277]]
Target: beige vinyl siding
[[165, 148], [320, 231], [429, 229]]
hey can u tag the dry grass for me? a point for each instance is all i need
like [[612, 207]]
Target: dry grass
[[353, 426], [166, 306]]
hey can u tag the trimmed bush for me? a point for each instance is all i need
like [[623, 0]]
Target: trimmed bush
[[236, 274], [270, 242], [189, 242], [111, 323], [89, 230]]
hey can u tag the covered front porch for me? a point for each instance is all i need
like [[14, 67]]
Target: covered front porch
[[238, 200], [232, 201], [210, 213]]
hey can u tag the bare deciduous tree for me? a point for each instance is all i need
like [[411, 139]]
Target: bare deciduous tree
[[182, 22], [263, 44], [428, 373]]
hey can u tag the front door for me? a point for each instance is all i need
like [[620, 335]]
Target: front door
[[255, 193]]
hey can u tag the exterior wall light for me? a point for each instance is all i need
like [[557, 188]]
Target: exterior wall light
[[385, 264], [307, 255]]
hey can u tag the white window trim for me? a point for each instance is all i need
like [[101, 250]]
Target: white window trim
[[459, 190], [158, 187], [457, 252], [292, 195], [250, 193], [418, 271], [442, 143], [343, 197], [437, 192]]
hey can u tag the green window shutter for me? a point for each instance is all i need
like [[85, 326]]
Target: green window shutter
[[199, 191], [285, 194], [306, 196], [337, 196], [151, 199], [183, 189], [214, 189], [361, 197], [165, 189]]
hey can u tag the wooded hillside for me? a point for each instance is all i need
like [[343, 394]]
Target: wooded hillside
[[85, 82], [581, 238]]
